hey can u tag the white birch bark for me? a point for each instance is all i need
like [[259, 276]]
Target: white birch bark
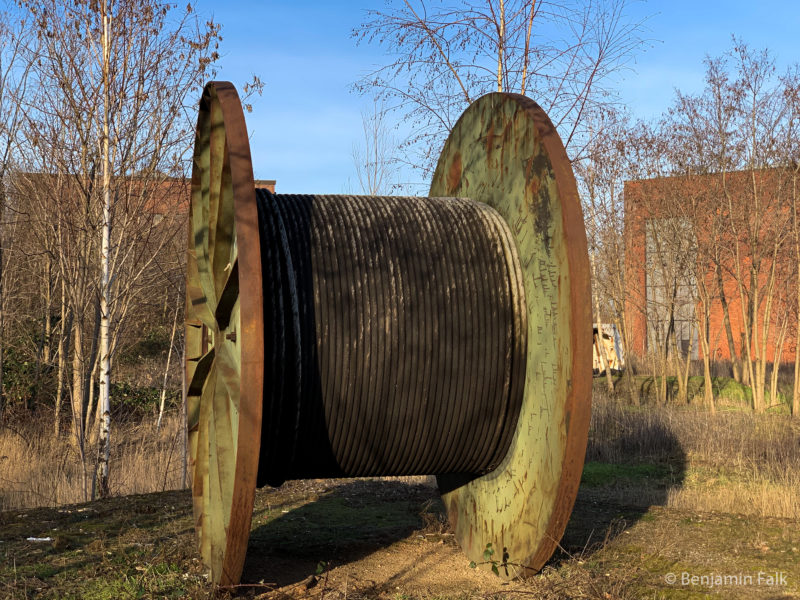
[[103, 447]]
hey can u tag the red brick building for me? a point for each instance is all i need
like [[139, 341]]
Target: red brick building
[[682, 239]]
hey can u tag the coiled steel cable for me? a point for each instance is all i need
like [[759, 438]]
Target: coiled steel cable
[[395, 336]]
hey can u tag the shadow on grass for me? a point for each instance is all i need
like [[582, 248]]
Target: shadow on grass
[[342, 525], [630, 466]]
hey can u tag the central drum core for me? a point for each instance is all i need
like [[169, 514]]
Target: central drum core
[[395, 336]]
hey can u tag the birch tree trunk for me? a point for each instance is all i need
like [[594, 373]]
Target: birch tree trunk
[[103, 447]]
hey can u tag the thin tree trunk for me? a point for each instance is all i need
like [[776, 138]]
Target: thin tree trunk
[[628, 383], [705, 345], [93, 415], [47, 329], [682, 370], [796, 228], [776, 363], [2, 304], [184, 424], [609, 378], [90, 378], [599, 344], [726, 320], [77, 383], [708, 390], [796, 387], [43, 353], [525, 58], [63, 344], [2, 362], [166, 370], [501, 42], [103, 447]]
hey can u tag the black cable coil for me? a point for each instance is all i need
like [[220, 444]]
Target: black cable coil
[[395, 336]]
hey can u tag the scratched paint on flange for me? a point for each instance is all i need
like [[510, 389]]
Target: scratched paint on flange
[[520, 184]]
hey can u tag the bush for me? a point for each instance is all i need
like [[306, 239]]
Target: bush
[[23, 382], [154, 344], [128, 401]]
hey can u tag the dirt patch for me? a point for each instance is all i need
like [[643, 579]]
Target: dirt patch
[[381, 538]]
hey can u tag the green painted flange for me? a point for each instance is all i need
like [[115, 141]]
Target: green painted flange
[[504, 151], [224, 334]]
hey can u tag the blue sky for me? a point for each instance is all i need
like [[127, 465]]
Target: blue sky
[[304, 126]]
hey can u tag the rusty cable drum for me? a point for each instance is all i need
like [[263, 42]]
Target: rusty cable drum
[[357, 336]]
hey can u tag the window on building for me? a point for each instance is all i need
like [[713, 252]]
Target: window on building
[[671, 290]]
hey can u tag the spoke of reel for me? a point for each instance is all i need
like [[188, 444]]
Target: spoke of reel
[[226, 396], [196, 298], [228, 297], [225, 450], [201, 483], [195, 389], [216, 149], [214, 529], [229, 373], [224, 248], [202, 215]]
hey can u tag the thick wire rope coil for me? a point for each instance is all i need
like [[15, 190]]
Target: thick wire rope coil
[[394, 331]]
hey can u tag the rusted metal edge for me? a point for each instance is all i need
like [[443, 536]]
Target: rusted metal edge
[[252, 331], [506, 152], [579, 395]]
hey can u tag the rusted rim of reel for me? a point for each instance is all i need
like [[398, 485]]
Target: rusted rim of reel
[[504, 151], [224, 334]]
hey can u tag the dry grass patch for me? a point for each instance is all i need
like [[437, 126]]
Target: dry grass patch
[[725, 462], [38, 470]]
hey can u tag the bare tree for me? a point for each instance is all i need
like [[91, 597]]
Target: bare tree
[[111, 121], [601, 175], [731, 134], [14, 71], [790, 151], [442, 56], [373, 155]]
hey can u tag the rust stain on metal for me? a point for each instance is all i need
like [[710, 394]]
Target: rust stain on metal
[[224, 381], [491, 145], [528, 498], [454, 173]]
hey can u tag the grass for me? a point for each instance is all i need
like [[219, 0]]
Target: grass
[[728, 394], [133, 547], [729, 461], [38, 470], [381, 542], [597, 474], [665, 489]]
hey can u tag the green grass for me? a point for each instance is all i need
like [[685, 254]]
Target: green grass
[[597, 474]]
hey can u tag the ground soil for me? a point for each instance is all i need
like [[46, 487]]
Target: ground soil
[[339, 539]]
